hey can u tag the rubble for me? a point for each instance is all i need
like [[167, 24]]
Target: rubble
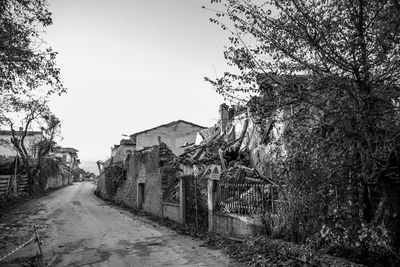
[[169, 170], [227, 145], [220, 148], [165, 153]]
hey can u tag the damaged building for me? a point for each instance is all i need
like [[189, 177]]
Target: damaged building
[[212, 177]]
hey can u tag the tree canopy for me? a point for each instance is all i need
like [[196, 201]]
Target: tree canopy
[[26, 63], [333, 69]]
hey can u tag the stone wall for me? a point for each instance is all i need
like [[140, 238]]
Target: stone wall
[[101, 187], [143, 168], [126, 193]]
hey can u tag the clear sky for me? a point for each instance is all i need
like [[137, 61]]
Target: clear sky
[[130, 65]]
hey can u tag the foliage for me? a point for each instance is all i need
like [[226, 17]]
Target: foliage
[[26, 63], [28, 70], [48, 167], [330, 69], [114, 177]]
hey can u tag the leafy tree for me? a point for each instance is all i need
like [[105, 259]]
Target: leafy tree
[[333, 68], [27, 70], [25, 62]]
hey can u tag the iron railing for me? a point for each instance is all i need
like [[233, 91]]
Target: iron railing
[[245, 198]]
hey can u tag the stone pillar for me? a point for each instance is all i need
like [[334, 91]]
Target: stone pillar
[[100, 166], [182, 200], [211, 203], [223, 116]]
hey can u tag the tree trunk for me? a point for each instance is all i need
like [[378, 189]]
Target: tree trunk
[[391, 217]]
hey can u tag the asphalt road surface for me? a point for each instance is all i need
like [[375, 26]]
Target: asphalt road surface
[[78, 229]]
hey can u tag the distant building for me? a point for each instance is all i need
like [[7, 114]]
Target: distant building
[[68, 155], [175, 134], [32, 138]]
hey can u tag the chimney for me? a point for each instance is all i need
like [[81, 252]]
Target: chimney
[[223, 116]]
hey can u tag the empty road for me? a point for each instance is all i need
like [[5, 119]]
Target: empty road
[[78, 229]]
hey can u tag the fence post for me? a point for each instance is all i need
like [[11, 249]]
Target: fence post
[[182, 200], [14, 183], [211, 203]]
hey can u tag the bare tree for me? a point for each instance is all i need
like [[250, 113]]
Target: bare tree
[[30, 113]]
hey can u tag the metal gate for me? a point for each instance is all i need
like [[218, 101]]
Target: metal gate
[[196, 202]]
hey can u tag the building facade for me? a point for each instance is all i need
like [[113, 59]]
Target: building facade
[[31, 140], [68, 155], [175, 134]]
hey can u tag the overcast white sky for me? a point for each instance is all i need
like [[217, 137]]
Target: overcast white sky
[[130, 65]]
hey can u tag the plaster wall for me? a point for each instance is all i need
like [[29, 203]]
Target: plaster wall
[[57, 181], [153, 193], [171, 211], [7, 149], [174, 136], [231, 224]]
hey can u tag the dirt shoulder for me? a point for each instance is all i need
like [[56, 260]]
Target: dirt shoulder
[[253, 251]]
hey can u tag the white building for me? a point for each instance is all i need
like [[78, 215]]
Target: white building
[[7, 148]]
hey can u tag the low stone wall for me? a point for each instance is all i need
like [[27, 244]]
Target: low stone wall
[[126, 193], [171, 211], [231, 224]]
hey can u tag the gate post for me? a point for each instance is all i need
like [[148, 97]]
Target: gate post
[[211, 203], [182, 200]]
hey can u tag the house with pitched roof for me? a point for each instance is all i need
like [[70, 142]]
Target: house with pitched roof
[[68, 155], [176, 135]]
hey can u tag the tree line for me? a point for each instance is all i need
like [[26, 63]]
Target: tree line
[[28, 76]]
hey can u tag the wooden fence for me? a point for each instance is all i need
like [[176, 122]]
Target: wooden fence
[[245, 198], [23, 183], [4, 184], [11, 185]]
